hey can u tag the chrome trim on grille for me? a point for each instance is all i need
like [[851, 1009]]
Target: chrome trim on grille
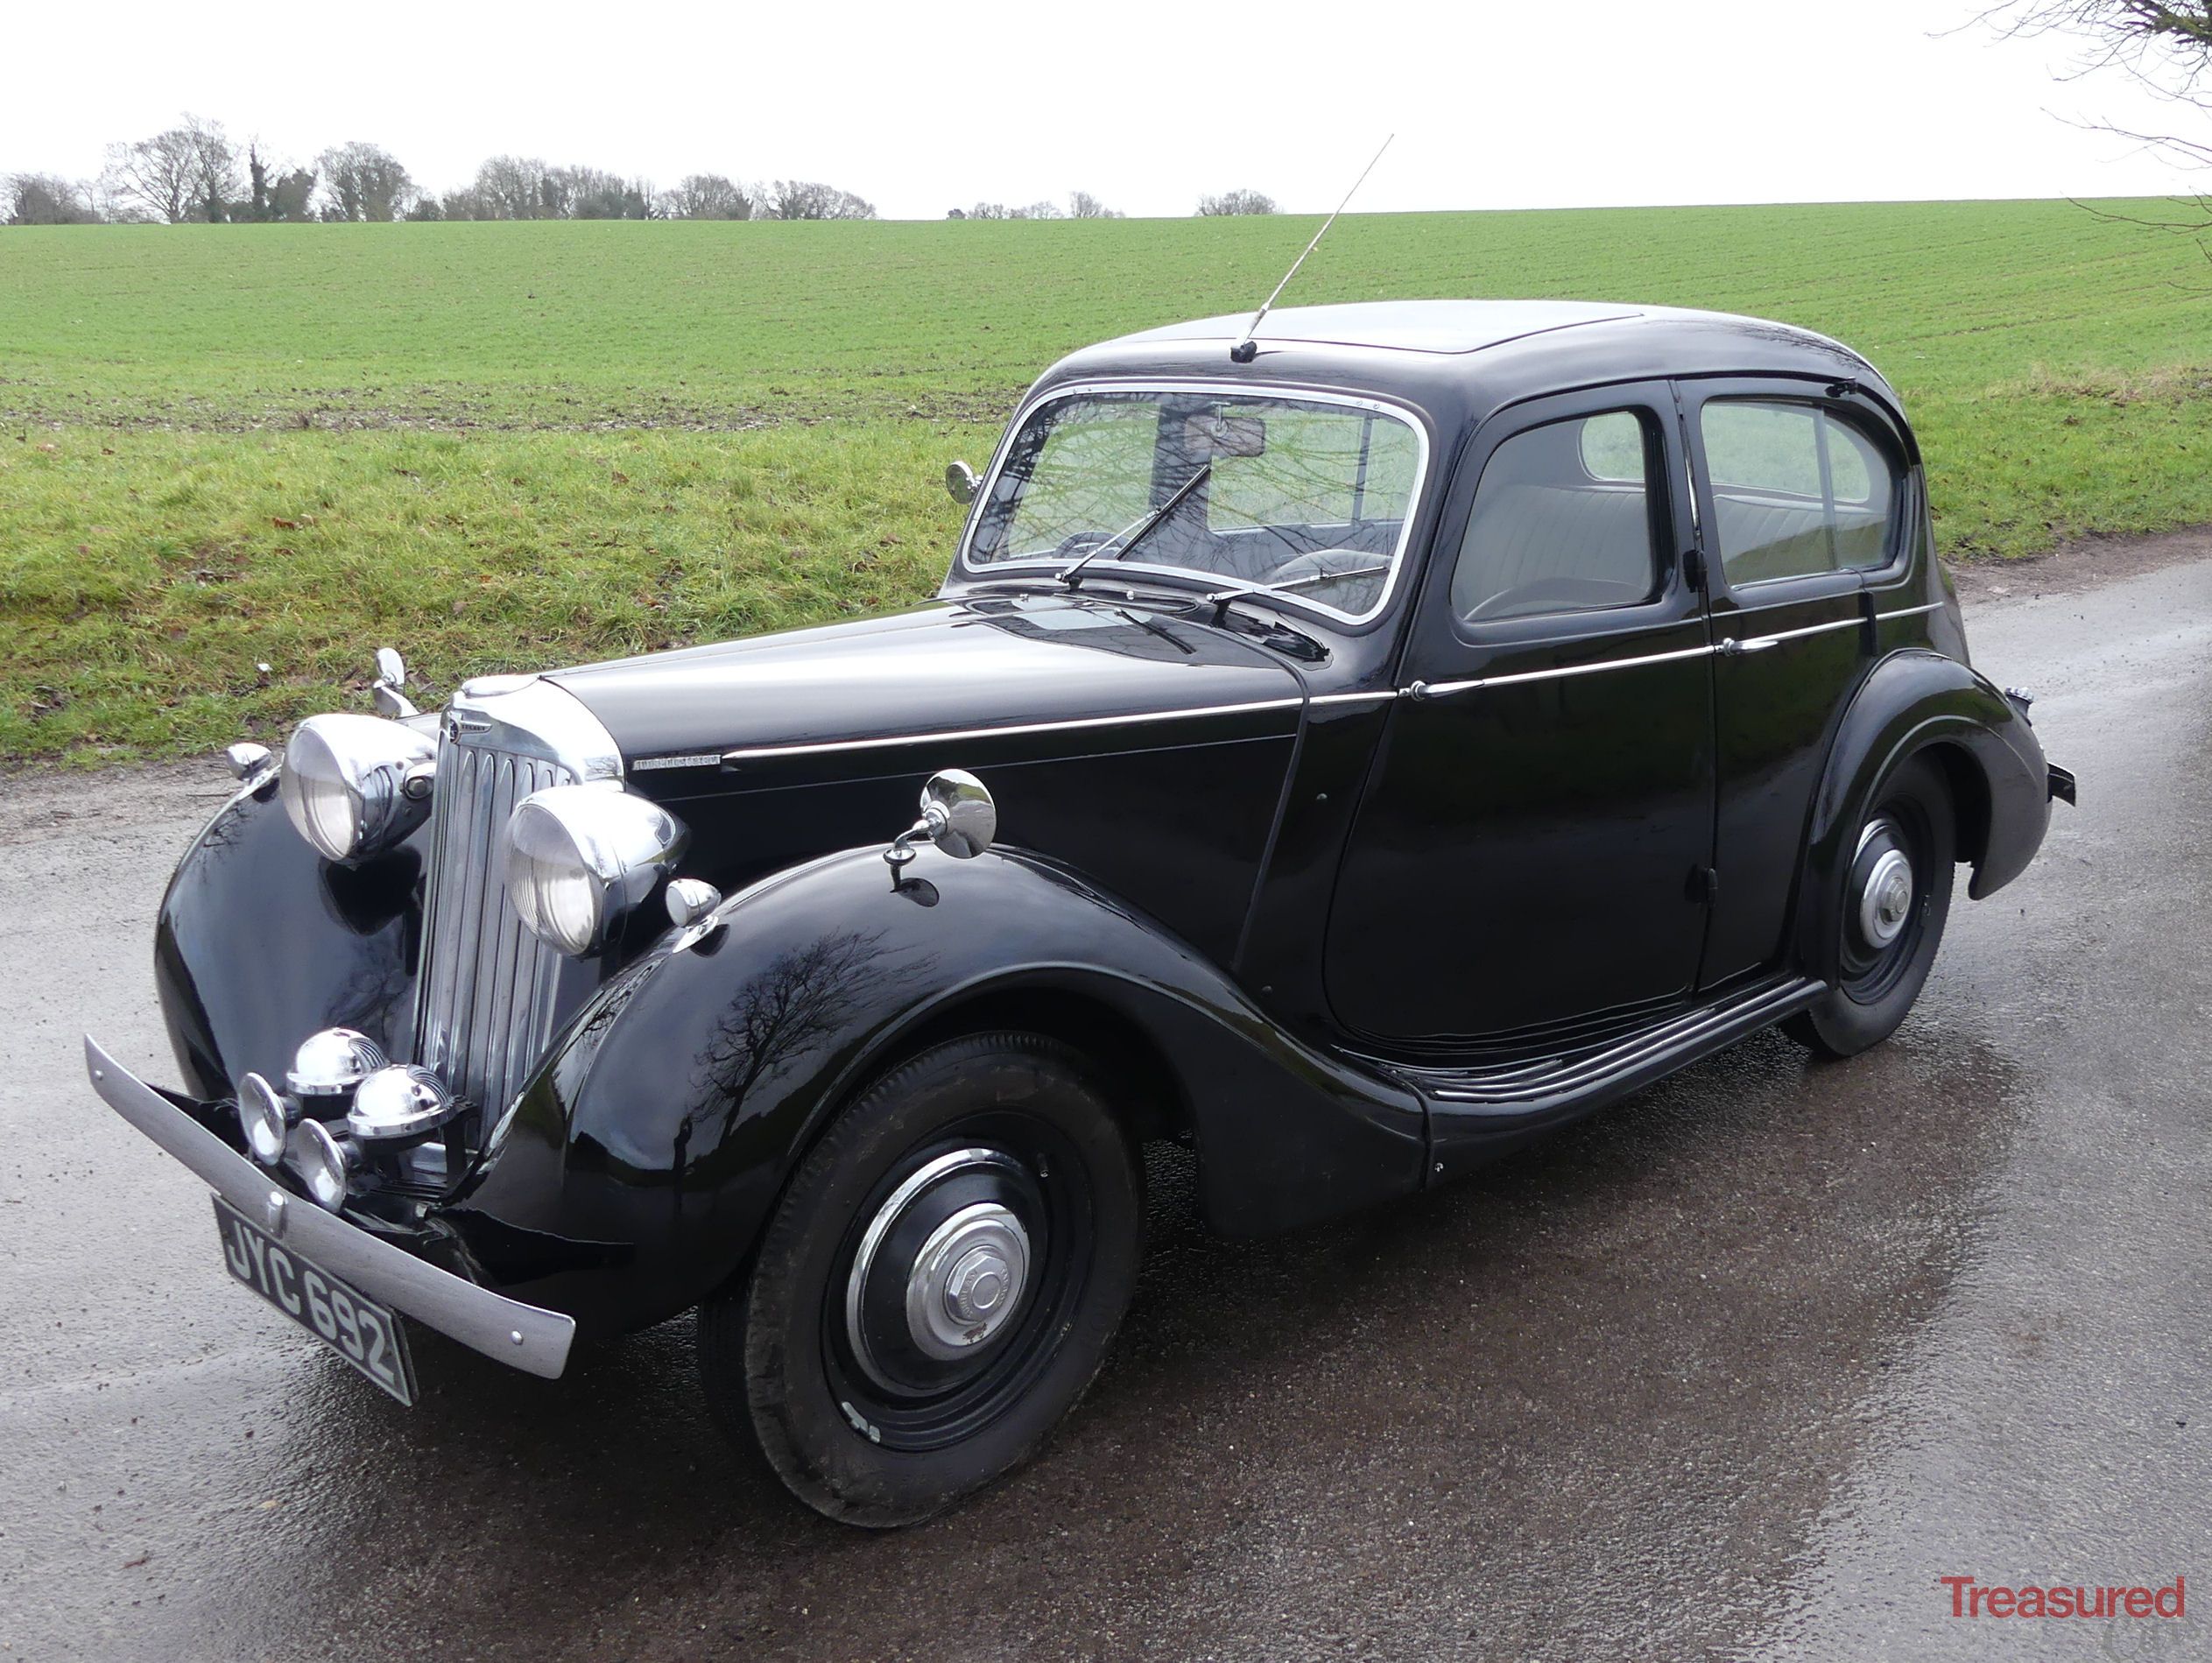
[[486, 992]]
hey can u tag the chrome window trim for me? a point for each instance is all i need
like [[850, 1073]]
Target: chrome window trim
[[1272, 393]]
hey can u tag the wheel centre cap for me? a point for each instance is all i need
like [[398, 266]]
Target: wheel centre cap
[[966, 1281], [1885, 897]]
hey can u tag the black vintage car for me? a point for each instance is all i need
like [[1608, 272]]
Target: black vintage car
[[1350, 752]]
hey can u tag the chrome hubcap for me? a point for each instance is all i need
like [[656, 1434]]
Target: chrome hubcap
[[966, 1281], [942, 1267], [1885, 897]]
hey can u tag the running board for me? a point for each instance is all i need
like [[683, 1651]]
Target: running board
[[1571, 1081]]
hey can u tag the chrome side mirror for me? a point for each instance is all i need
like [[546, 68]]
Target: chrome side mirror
[[961, 483], [957, 814], [249, 762], [384, 690]]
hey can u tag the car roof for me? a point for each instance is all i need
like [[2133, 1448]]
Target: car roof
[[1403, 326], [1458, 360]]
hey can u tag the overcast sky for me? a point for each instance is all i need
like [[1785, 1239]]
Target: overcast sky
[[920, 109]]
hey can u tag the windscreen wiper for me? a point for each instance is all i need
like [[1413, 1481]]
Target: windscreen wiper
[[1222, 599], [1142, 528]]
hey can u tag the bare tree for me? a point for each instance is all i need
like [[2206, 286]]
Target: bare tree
[[800, 198], [2163, 45], [588, 193], [510, 187], [1037, 211], [156, 177], [712, 196], [365, 182], [1081, 205], [1242, 201], [217, 183], [45, 199]]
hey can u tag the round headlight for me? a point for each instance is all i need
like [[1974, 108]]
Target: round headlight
[[347, 783], [264, 1119], [404, 1100], [325, 1164], [580, 856], [328, 1065]]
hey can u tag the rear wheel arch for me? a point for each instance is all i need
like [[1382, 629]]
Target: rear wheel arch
[[1969, 789]]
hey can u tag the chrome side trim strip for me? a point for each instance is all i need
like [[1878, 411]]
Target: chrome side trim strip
[[523, 1336], [957, 735], [1444, 689], [1908, 612], [1752, 644], [1384, 697]]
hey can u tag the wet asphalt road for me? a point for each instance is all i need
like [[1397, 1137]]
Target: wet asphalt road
[[1738, 1369]]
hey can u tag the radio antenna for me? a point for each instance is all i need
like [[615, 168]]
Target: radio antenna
[[1248, 349]]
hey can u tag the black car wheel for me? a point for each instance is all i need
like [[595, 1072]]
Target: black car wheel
[[1897, 893], [939, 1283]]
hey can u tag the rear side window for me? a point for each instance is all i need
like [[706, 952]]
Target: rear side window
[[1565, 520], [1797, 490]]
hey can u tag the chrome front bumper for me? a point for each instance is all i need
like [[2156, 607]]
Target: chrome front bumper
[[523, 1336]]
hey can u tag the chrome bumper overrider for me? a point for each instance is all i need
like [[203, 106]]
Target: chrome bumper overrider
[[523, 1336]]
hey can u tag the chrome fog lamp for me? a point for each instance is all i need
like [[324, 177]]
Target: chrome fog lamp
[[327, 1067], [324, 1163], [580, 856], [266, 1118], [404, 1100], [354, 786]]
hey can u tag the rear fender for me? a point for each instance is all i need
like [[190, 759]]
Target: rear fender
[[1916, 701], [635, 1171]]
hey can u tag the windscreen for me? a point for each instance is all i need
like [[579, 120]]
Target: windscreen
[[1304, 494]]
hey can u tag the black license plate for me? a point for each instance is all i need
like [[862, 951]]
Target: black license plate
[[353, 1326]]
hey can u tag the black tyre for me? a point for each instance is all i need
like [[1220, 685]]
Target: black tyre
[[1897, 893], [939, 1284]]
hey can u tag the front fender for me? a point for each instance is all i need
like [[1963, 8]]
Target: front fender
[[1911, 702], [638, 1169], [260, 941]]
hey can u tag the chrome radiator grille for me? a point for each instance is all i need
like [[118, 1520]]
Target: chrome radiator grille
[[484, 1009]]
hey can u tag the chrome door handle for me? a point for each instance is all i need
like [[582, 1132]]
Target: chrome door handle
[[1731, 648]]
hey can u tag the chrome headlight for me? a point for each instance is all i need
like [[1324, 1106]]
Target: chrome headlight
[[580, 856], [354, 786]]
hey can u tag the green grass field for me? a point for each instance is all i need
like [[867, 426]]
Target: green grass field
[[513, 446]]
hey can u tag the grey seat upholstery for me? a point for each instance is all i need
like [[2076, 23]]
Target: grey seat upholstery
[[1762, 538], [1522, 536]]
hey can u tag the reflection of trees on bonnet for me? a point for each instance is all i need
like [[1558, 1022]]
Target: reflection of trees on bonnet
[[802, 998]]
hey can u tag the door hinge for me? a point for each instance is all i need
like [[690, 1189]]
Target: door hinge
[[1693, 568], [1704, 885]]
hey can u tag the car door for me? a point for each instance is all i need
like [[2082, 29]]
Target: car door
[[1531, 849], [1801, 497]]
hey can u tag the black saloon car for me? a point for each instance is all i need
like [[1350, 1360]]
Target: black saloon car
[[1350, 753]]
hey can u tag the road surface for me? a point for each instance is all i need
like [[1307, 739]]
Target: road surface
[[1739, 1369]]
